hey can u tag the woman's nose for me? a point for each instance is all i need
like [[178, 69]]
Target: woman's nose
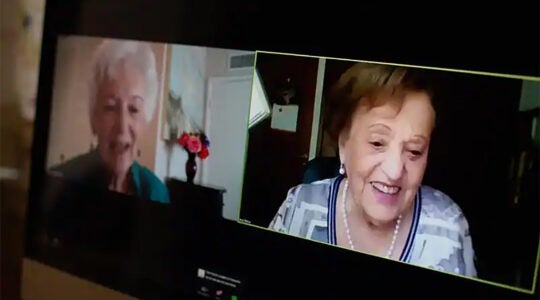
[[122, 121], [393, 165]]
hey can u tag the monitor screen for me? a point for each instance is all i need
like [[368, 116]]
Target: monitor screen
[[175, 162]]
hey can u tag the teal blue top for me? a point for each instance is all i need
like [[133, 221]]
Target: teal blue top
[[88, 168], [148, 185]]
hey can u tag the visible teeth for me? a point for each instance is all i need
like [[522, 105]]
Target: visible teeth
[[385, 188], [120, 147]]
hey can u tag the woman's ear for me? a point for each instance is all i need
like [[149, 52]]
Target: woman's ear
[[92, 123], [342, 141]]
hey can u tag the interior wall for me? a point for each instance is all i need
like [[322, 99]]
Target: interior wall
[[186, 78]]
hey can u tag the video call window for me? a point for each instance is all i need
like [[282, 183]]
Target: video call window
[[140, 111], [435, 168]]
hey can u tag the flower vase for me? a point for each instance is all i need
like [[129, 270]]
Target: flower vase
[[191, 167]]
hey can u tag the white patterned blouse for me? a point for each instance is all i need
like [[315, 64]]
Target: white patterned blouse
[[439, 237]]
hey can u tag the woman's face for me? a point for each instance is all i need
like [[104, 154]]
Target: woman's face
[[118, 117], [385, 154]]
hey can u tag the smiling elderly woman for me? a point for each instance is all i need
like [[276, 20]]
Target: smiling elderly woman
[[123, 96], [382, 117]]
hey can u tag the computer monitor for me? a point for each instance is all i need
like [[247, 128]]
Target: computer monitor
[[242, 153]]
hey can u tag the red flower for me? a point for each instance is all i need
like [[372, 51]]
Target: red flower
[[194, 144], [183, 139], [204, 153]]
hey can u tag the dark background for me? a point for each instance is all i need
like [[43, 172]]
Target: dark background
[[502, 38]]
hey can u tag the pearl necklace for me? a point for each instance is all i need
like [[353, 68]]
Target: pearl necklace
[[396, 229]]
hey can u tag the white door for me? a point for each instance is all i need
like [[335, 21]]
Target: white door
[[226, 121]]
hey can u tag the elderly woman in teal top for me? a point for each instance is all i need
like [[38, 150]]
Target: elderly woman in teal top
[[382, 118], [123, 96]]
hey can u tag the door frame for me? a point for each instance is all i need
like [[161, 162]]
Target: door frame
[[212, 81]]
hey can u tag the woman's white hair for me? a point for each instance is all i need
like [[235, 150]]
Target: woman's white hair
[[136, 54]]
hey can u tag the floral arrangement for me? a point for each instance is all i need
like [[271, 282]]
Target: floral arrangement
[[195, 143]]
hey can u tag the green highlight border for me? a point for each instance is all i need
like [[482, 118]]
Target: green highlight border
[[511, 76]]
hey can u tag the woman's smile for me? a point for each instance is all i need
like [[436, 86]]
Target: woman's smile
[[119, 147], [384, 193]]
